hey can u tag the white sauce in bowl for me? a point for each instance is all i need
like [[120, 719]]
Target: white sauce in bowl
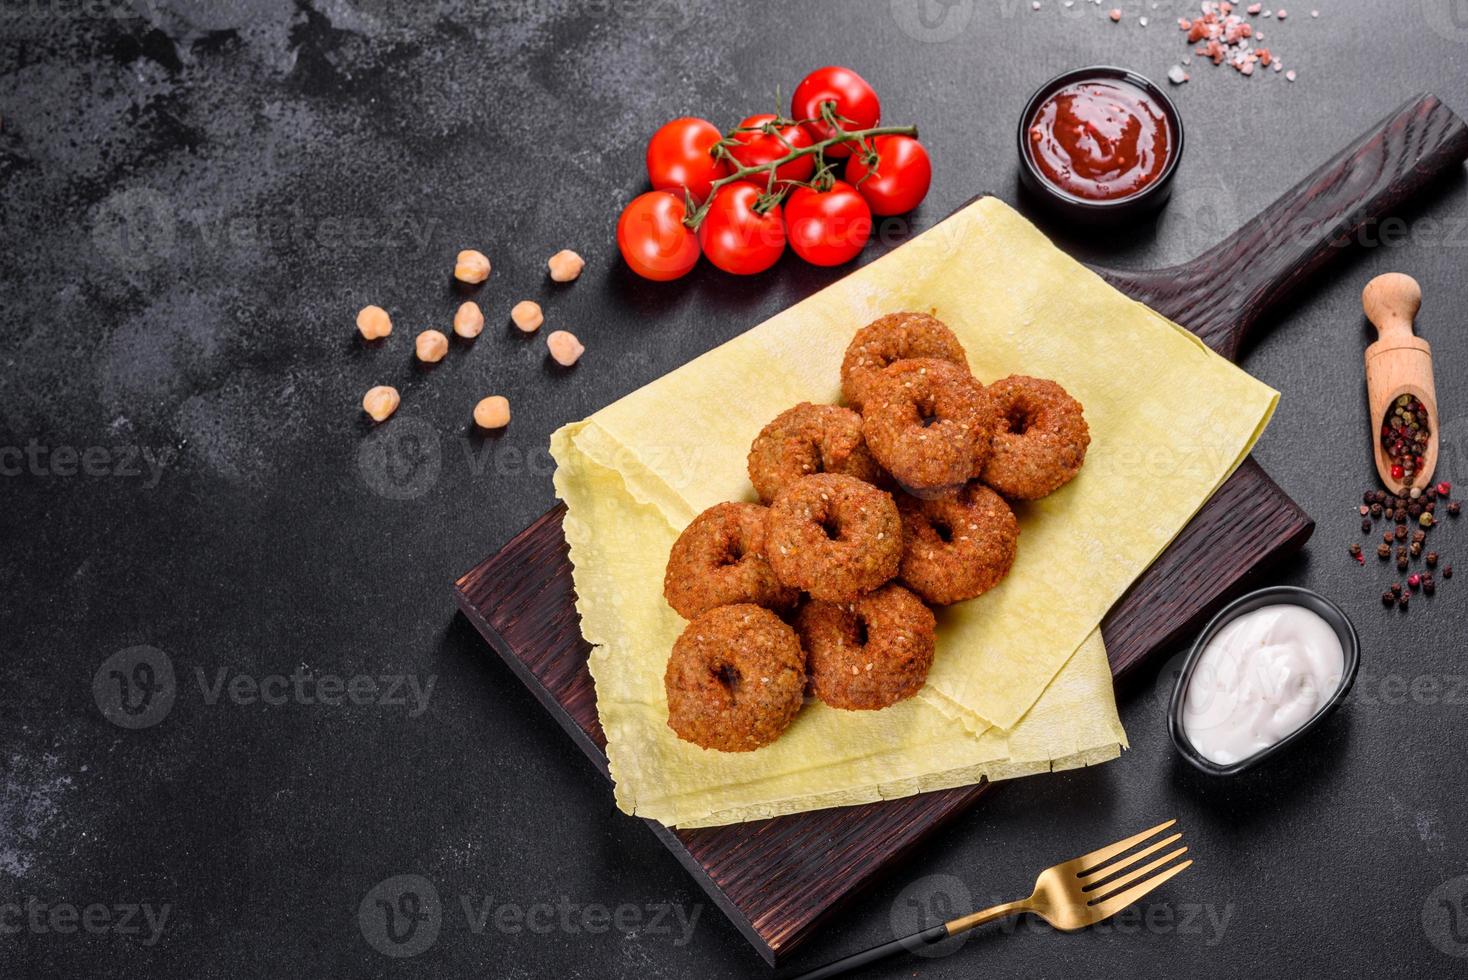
[[1260, 679]]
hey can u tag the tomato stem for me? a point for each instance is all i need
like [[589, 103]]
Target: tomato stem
[[823, 177]]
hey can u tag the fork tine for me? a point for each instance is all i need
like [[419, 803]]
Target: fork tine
[[1115, 885], [1126, 861], [1087, 862], [1115, 903]]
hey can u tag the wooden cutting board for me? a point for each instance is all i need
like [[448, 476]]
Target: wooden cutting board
[[777, 879]]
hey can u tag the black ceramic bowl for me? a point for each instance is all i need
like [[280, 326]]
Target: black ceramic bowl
[[1277, 595], [1068, 205]]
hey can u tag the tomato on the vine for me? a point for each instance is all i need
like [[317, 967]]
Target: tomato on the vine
[[758, 149], [653, 238], [678, 156], [855, 100], [735, 236], [828, 227], [902, 174]]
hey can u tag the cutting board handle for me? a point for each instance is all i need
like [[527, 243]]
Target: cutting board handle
[[1221, 294]]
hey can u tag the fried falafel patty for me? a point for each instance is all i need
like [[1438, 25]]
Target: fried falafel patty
[[735, 679], [719, 560], [956, 547], [929, 424], [834, 537], [809, 439], [868, 654], [1040, 440], [894, 337]]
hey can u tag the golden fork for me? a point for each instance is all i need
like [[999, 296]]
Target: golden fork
[[1069, 896]]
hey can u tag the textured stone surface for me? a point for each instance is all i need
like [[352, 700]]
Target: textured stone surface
[[195, 199]]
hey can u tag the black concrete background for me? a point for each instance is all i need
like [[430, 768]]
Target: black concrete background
[[194, 201]]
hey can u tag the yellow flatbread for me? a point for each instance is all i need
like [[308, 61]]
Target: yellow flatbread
[[1020, 683]]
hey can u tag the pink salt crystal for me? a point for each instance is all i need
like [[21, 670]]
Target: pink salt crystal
[[1254, 8], [1290, 74], [1115, 15]]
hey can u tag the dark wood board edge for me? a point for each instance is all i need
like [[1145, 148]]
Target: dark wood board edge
[[593, 751]]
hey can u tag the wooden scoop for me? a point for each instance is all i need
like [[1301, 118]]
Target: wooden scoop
[[1398, 364]]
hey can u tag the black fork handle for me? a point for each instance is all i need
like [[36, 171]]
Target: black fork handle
[[906, 944]]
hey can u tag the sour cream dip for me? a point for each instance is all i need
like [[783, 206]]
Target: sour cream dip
[[1260, 679]]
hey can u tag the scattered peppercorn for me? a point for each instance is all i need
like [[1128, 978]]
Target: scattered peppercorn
[[1416, 550], [1387, 599], [1432, 559], [1431, 507], [1388, 536], [1425, 520], [1414, 510], [1447, 571], [1400, 515], [1414, 493], [1368, 497], [1383, 551], [1454, 509], [1401, 532], [1429, 587], [1414, 580], [1444, 488], [1418, 537], [1365, 525], [1355, 549], [1375, 510], [1396, 589], [1402, 600], [1401, 564]]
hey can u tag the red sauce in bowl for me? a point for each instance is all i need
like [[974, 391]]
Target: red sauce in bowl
[[1101, 140]]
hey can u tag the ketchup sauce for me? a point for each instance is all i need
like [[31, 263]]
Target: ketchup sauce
[[1101, 139]]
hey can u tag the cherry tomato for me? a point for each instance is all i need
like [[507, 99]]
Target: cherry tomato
[[735, 237], [828, 227], [678, 157], [854, 98], [903, 173], [653, 238], [757, 149]]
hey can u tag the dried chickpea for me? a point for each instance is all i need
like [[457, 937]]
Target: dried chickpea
[[468, 321], [471, 266], [564, 347], [380, 402], [492, 412], [527, 316], [431, 346], [565, 265], [373, 322]]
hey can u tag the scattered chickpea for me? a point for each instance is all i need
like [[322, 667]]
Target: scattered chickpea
[[431, 346], [564, 347], [565, 265], [492, 412], [471, 266], [527, 316], [373, 322], [468, 321], [380, 402]]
